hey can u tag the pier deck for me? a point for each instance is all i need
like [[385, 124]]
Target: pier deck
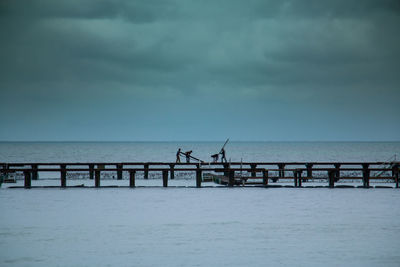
[[263, 174]]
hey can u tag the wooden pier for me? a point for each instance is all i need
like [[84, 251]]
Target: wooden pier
[[256, 173]]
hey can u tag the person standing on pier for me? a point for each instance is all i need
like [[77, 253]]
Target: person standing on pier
[[223, 158], [178, 156], [187, 154]]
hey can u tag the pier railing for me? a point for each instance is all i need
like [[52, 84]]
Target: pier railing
[[299, 172]]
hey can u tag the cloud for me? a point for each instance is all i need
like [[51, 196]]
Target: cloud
[[254, 52]]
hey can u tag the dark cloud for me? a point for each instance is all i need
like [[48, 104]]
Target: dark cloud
[[340, 8], [135, 11], [261, 56]]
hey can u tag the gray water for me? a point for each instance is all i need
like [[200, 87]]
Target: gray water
[[165, 151], [199, 227]]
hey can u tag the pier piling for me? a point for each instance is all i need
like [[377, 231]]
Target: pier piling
[[253, 170], [132, 178], [337, 174], [281, 167], [299, 173], [331, 178], [171, 170], [395, 170], [226, 167], [91, 171], [63, 175], [265, 178], [198, 178], [165, 178], [35, 175], [119, 171], [309, 170], [366, 177], [27, 179], [97, 178], [231, 177], [146, 171]]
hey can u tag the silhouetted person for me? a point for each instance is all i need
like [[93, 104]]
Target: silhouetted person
[[223, 155], [178, 156], [215, 157], [187, 154]]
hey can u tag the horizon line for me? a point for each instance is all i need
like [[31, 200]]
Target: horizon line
[[199, 141]]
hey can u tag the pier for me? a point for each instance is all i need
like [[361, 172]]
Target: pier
[[262, 174]]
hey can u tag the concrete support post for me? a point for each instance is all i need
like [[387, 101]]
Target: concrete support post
[[165, 178], [396, 174], [265, 178], [63, 175], [299, 173], [226, 171], [132, 178], [231, 180], [97, 178], [27, 179], [146, 171], [366, 173], [309, 170], [331, 178], [337, 170], [91, 171], [281, 167], [253, 170], [172, 171], [35, 175], [198, 178], [119, 171]]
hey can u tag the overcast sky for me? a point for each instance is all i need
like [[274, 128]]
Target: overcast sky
[[139, 70]]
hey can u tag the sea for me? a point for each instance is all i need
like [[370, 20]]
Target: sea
[[210, 226], [166, 151]]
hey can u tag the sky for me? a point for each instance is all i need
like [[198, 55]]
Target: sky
[[149, 70]]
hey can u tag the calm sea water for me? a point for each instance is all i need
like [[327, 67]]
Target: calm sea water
[[165, 151], [198, 227]]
